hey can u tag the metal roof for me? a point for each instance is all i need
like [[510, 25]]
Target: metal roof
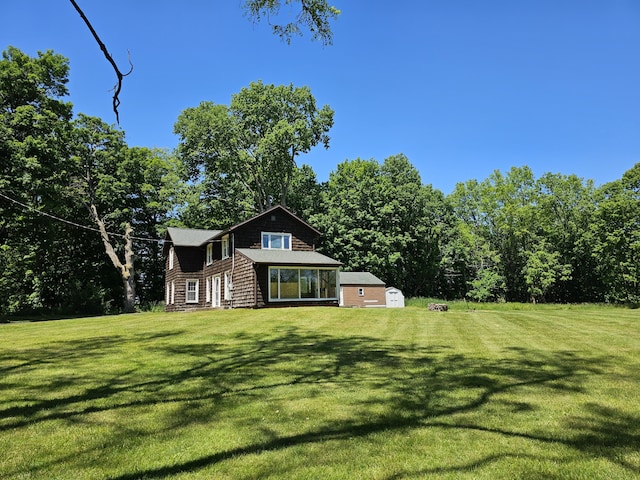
[[359, 278], [288, 257], [190, 237]]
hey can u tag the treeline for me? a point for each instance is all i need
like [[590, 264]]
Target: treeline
[[82, 214]]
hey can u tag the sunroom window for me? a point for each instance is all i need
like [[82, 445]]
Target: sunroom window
[[302, 283], [276, 241]]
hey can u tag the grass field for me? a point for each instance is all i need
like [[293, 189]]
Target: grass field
[[313, 393]]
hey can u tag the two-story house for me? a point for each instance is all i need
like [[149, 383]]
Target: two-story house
[[268, 260]]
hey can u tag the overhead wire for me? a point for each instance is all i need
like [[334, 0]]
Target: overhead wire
[[78, 225]]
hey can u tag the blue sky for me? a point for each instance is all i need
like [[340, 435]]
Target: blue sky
[[462, 87]]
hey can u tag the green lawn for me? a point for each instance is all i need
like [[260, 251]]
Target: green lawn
[[313, 393]]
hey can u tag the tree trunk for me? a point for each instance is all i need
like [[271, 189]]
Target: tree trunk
[[126, 270]]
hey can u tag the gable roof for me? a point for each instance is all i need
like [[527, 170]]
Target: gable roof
[[288, 257], [269, 212], [359, 278], [189, 237]]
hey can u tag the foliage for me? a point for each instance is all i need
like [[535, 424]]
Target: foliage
[[316, 15], [380, 218], [323, 393], [254, 142]]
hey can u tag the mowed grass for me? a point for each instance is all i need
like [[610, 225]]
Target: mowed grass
[[313, 393]]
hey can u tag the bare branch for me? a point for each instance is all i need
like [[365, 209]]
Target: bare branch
[[118, 86]]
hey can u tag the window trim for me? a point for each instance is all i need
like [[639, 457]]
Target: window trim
[[300, 298], [196, 290], [171, 254], [226, 252], [209, 253], [283, 235], [361, 291]]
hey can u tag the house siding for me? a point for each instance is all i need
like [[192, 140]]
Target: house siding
[[187, 265], [250, 235], [374, 296], [249, 277]]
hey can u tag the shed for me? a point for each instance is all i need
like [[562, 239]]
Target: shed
[[394, 297], [361, 289]]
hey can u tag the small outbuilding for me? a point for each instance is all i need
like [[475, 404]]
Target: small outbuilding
[[394, 297], [361, 289]]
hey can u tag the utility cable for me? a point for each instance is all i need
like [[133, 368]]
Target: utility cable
[[69, 222]]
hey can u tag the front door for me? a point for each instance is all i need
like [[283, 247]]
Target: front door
[[215, 292]]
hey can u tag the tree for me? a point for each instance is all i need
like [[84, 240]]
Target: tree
[[314, 14], [34, 127], [255, 141], [616, 232], [380, 218], [124, 189]]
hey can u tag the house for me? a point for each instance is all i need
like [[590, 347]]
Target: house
[[361, 289], [266, 261]]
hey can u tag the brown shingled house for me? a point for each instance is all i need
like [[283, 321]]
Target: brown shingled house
[[268, 260]]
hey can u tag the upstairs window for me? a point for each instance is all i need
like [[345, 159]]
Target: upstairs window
[[225, 246], [209, 253], [276, 241], [171, 258]]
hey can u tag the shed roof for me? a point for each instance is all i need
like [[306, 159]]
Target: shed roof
[[288, 257], [359, 278], [190, 237]]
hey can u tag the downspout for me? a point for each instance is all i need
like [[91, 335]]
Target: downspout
[[233, 266], [255, 286]]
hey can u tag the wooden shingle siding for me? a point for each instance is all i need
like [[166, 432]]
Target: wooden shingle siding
[[243, 283], [250, 234], [374, 296], [187, 265]]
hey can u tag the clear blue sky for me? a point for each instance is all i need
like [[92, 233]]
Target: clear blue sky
[[462, 87]]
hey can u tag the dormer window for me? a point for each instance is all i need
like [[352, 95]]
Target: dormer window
[[276, 241], [225, 246], [209, 253]]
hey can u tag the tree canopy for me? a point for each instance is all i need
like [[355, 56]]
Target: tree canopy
[[254, 141]]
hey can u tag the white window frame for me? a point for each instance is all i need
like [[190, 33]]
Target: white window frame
[[209, 253], [300, 298], [228, 285], [187, 290], [173, 292], [168, 294], [225, 247], [215, 291], [171, 253], [269, 237], [361, 291], [207, 292]]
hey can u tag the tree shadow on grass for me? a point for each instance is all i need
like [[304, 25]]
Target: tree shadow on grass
[[407, 387]]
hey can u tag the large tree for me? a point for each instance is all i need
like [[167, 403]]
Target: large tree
[[380, 218], [34, 128], [128, 191], [253, 142]]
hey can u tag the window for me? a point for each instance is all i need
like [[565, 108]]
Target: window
[[171, 258], [302, 283], [361, 292], [168, 296], [276, 241], [192, 291], [209, 253], [225, 246], [173, 293], [228, 286], [207, 292]]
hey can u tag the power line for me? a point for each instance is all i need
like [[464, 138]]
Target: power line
[[69, 222]]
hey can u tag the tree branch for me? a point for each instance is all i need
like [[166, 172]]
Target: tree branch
[[118, 86]]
